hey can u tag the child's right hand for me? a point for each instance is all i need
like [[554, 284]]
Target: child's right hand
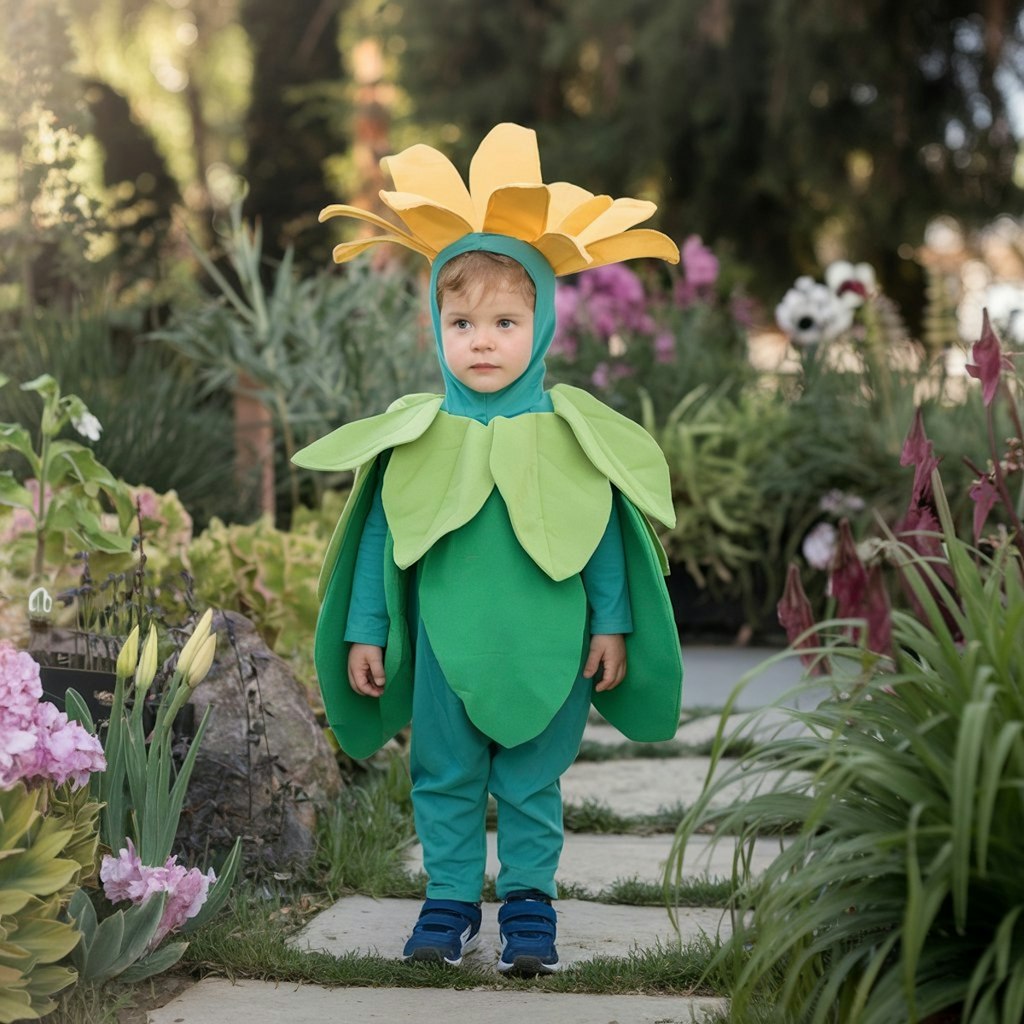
[[366, 669]]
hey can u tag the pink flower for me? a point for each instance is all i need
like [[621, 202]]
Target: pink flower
[[37, 742], [567, 300], [126, 878], [20, 688], [989, 361]]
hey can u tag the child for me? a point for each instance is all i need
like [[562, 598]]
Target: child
[[493, 572]]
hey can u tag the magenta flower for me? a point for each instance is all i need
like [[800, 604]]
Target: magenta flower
[[795, 617], [126, 878], [664, 347], [860, 594], [984, 495], [918, 452], [989, 361]]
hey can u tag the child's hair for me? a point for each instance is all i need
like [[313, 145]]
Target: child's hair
[[487, 269]]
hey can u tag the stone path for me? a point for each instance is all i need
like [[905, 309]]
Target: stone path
[[629, 787]]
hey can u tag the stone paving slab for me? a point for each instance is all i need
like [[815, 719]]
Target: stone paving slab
[[585, 930], [216, 1001], [637, 786], [598, 861], [699, 731], [711, 673]]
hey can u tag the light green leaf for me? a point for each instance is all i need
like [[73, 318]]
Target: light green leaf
[[558, 502], [436, 483], [44, 385]]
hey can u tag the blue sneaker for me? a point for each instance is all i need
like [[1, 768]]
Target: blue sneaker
[[446, 930], [527, 923]]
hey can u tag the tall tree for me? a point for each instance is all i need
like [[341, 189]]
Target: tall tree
[[763, 125], [293, 122]]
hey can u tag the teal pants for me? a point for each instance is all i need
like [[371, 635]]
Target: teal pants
[[454, 766]]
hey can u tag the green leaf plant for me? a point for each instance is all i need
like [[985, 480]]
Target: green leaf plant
[[899, 893], [142, 793], [48, 838], [70, 484]]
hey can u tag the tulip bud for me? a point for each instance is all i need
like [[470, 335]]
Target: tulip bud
[[128, 658], [146, 671], [201, 663], [194, 642]]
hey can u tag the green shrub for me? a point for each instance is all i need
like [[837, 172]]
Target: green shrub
[[901, 894], [270, 576]]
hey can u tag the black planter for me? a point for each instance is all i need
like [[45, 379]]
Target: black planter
[[96, 688]]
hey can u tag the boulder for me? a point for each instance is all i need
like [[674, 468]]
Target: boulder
[[264, 768]]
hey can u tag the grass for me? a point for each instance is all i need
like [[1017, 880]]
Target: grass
[[250, 941]]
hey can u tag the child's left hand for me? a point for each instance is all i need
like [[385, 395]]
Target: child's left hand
[[607, 650]]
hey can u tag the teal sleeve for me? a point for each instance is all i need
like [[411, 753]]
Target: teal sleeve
[[604, 580], [368, 620]]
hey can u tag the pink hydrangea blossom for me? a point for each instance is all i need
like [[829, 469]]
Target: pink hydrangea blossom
[[37, 742], [126, 878]]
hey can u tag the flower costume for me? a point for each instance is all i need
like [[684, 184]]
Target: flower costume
[[488, 535]]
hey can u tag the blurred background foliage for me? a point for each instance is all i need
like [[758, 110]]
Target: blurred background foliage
[[777, 129], [162, 163]]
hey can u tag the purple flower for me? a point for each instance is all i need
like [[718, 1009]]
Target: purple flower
[[989, 361], [126, 878], [664, 347], [567, 300], [700, 272]]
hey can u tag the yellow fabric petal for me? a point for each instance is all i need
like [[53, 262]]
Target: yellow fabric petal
[[620, 216], [565, 197], [641, 243], [345, 251], [338, 210], [434, 226], [507, 155], [428, 172], [585, 214], [517, 210], [561, 250]]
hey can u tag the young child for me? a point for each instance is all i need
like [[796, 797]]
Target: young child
[[494, 572]]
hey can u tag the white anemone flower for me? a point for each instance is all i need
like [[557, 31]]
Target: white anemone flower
[[819, 546], [851, 283], [88, 426], [810, 313], [1005, 305]]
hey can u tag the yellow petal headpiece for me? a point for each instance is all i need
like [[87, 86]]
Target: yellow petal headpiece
[[573, 229]]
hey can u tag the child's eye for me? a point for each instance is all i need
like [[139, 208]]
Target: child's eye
[[461, 324], [504, 322]]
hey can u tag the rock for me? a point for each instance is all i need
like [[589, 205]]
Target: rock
[[264, 768]]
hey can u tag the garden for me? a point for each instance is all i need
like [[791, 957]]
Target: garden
[[838, 394]]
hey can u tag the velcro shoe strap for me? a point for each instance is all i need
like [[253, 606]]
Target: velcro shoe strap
[[528, 917], [448, 916]]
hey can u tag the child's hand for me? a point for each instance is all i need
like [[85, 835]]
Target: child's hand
[[366, 669], [609, 651]]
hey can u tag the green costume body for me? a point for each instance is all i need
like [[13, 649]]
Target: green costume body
[[494, 506]]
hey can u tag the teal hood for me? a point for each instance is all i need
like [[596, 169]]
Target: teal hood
[[526, 393]]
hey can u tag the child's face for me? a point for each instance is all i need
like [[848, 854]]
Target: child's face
[[487, 336]]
